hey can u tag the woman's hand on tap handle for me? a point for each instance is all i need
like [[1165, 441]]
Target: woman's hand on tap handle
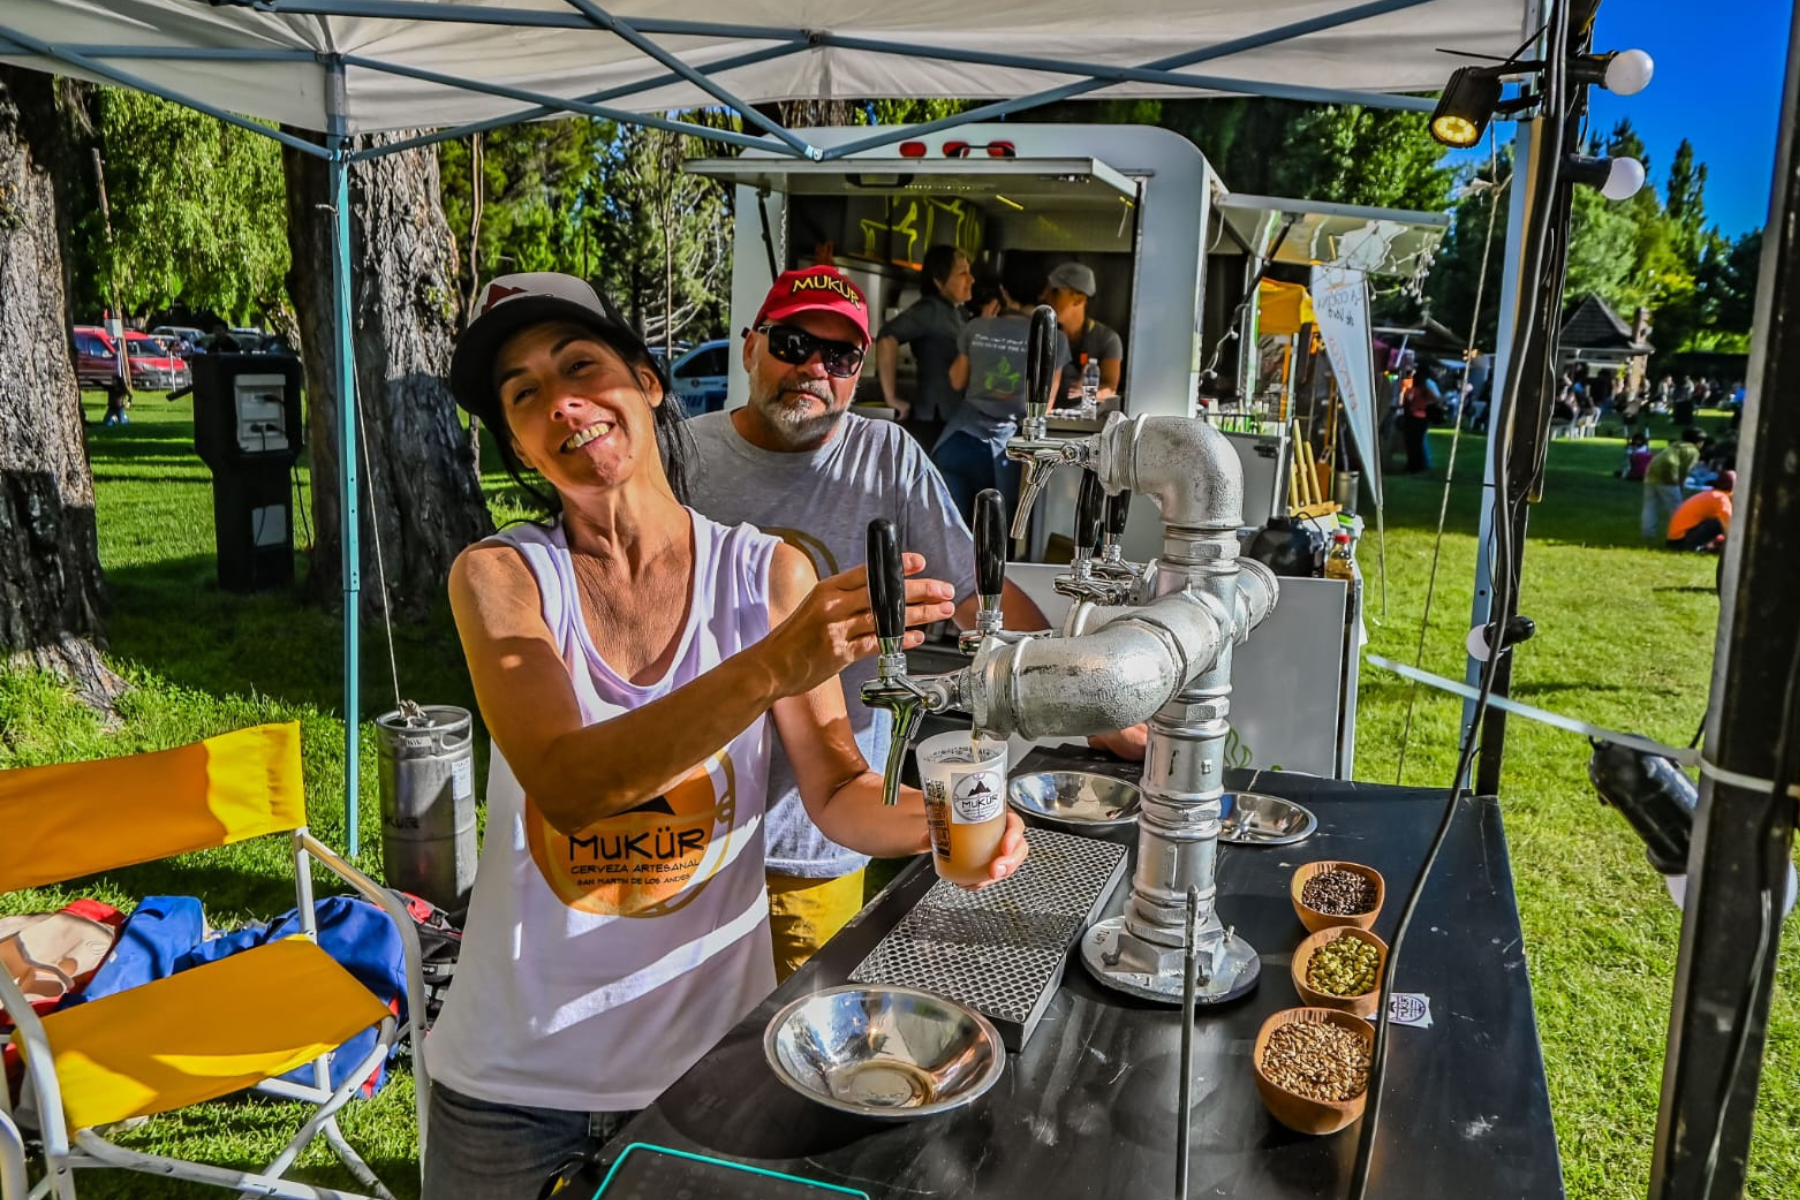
[[835, 625], [1127, 744]]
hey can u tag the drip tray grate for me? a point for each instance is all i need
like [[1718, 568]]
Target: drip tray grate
[[1002, 951]]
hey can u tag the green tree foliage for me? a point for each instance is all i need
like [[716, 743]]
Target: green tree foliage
[[664, 236], [1652, 251], [198, 214], [539, 183], [1477, 232], [1284, 148], [607, 202]]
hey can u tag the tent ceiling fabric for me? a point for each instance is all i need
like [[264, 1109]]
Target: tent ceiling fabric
[[1394, 51]]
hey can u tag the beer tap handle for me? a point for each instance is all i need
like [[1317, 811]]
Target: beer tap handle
[[1035, 452], [990, 569], [1117, 507], [990, 544], [1040, 368], [1090, 505], [887, 585]]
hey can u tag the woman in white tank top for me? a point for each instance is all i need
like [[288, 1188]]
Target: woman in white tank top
[[627, 658]]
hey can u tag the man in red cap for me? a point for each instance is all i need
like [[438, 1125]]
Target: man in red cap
[[796, 463]]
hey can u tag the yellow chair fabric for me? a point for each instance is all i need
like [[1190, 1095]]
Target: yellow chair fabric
[[72, 819], [205, 1033]]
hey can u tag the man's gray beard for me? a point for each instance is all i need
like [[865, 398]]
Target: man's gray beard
[[798, 428]]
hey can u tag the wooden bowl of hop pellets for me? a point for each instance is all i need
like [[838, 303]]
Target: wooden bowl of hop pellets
[[1312, 1068], [1341, 969], [1332, 895]]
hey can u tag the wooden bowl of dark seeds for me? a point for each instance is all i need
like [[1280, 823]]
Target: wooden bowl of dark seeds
[[1331, 895], [1312, 1068]]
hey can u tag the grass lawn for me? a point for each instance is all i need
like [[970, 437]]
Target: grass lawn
[[1625, 639]]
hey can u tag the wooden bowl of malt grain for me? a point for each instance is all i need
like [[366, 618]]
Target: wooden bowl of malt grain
[[1312, 1068]]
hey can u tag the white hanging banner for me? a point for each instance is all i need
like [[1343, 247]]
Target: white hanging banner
[[1340, 299]]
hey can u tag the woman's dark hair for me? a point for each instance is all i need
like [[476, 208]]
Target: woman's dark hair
[[1022, 282], [986, 290], [940, 261], [673, 441]]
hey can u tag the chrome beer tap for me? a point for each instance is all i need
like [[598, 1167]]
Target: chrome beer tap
[[1112, 563], [1084, 584], [1039, 453], [990, 573], [892, 688]]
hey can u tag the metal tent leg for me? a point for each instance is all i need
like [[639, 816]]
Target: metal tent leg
[[350, 523]]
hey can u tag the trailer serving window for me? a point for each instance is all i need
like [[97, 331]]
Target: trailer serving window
[[876, 218]]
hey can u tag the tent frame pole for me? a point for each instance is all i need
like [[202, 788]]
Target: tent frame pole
[[561, 104], [1112, 74], [1522, 196], [90, 64], [537, 111], [1743, 835], [1254, 41], [350, 522], [475, 14], [626, 33]]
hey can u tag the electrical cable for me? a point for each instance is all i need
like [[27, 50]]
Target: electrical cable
[[387, 617], [1504, 512], [1437, 549]]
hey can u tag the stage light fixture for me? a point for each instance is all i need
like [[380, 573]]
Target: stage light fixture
[[1617, 178], [1466, 106]]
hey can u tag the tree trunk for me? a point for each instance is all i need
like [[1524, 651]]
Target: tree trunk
[[51, 590], [420, 491]]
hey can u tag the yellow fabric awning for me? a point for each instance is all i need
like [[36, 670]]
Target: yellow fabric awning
[[1284, 308]]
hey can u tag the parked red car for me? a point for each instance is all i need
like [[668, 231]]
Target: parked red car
[[153, 367], [96, 358]]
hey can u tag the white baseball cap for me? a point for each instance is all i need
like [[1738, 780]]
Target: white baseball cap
[[509, 304]]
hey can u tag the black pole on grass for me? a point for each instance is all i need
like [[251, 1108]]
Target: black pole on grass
[[1738, 860]]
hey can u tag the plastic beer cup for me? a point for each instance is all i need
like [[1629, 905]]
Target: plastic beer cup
[[964, 779]]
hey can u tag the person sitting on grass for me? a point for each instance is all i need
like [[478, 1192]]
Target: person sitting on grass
[[1663, 479], [1702, 521], [1637, 458], [118, 399]]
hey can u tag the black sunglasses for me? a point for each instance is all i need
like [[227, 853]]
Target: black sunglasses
[[794, 346]]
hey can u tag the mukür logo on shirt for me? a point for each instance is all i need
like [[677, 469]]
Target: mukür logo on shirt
[[649, 861]]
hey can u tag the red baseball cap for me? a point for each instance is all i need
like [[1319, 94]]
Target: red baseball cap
[[815, 289]]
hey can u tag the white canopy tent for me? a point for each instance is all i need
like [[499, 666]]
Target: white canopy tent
[[422, 64], [350, 67]]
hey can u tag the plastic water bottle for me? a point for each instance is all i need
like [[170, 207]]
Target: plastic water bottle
[[1090, 390]]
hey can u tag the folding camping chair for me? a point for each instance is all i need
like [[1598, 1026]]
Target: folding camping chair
[[235, 1023]]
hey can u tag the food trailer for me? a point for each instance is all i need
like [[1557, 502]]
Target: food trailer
[[1174, 253]]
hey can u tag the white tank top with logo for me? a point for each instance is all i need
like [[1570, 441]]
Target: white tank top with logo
[[597, 967]]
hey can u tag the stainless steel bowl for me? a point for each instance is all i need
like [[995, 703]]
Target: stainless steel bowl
[[887, 1052], [1076, 800], [1256, 819]]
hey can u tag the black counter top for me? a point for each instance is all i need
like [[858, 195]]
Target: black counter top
[[1088, 1108]]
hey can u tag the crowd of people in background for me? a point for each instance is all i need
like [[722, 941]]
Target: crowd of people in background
[[1687, 483]]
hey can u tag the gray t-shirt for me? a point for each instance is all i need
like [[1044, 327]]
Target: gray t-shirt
[[931, 328], [821, 501], [998, 348], [1095, 343]]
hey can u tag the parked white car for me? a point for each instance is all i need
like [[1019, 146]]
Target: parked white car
[[700, 376]]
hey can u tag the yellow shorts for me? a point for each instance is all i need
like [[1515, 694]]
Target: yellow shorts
[[805, 913]]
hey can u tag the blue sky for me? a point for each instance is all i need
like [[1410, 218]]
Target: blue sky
[[1719, 72]]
